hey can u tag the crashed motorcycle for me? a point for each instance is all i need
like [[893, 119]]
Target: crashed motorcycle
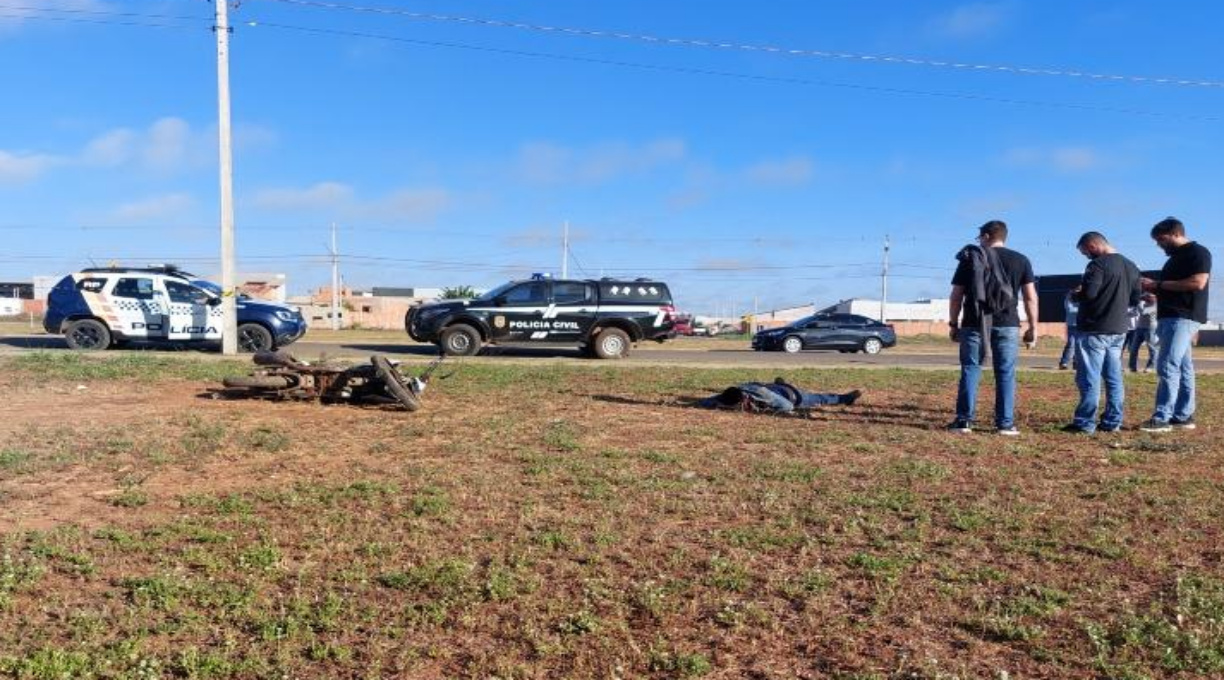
[[283, 376]]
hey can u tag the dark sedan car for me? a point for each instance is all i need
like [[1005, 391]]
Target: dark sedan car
[[844, 332]]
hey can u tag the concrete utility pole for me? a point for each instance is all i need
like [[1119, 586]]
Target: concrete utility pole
[[565, 250], [884, 282], [229, 298], [335, 296]]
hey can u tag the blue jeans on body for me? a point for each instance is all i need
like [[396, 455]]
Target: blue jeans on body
[[1004, 348], [1098, 358], [1175, 369], [1141, 337], [1069, 348]]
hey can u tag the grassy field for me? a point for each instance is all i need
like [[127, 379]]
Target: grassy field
[[541, 521]]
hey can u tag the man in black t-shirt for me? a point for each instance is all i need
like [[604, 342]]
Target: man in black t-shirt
[[1181, 307], [966, 328], [1109, 289]]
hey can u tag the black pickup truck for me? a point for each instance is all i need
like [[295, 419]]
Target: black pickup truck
[[602, 316]]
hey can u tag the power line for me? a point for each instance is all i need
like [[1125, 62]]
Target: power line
[[106, 13], [740, 76], [768, 49]]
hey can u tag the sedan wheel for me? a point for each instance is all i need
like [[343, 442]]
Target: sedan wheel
[[872, 345], [792, 344]]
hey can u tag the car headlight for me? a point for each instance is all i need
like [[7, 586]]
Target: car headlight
[[286, 315]]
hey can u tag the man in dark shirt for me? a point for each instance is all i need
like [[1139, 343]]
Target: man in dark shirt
[[1109, 289], [1181, 307], [1004, 333]]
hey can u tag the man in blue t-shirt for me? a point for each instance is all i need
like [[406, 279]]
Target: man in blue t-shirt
[[1181, 307]]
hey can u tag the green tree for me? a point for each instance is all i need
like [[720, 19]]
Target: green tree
[[458, 293]]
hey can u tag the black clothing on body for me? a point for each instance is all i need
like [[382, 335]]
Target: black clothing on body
[[1019, 273], [1109, 289], [1184, 262]]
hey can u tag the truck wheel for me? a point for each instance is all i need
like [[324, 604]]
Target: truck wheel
[[254, 338], [612, 343], [461, 340], [87, 334]]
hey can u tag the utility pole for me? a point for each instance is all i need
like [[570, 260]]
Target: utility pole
[[335, 287], [229, 298], [884, 282], [565, 251]]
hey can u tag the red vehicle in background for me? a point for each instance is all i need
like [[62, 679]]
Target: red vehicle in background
[[683, 324]]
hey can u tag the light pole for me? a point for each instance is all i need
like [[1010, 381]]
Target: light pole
[[229, 299]]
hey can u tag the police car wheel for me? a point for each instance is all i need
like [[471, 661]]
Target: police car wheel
[[87, 334], [612, 343], [460, 340], [253, 338], [792, 344], [872, 346]]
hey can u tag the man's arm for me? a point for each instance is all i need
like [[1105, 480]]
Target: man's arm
[[1190, 284], [955, 302], [1030, 310]]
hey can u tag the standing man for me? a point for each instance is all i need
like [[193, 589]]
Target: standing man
[[1001, 329], [1145, 334], [1181, 307], [1109, 289], [1071, 309]]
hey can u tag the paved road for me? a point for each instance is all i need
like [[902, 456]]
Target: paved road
[[929, 356]]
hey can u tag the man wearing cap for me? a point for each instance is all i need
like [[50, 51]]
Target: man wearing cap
[[1181, 307], [1108, 291], [1004, 340]]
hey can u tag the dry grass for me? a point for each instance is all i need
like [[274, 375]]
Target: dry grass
[[551, 521]]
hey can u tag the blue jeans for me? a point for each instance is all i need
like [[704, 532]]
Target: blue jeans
[[1175, 369], [1141, 337], [1004, 348], [1098, 358], [1069, 348]]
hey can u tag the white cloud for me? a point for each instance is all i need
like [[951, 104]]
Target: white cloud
[[167, 144], [155, 208], [1063, 159], [115, 147], [20, 167], [782, 172], [547, 163], [321, 196], [412, 205], [339, 200], [974, 20]]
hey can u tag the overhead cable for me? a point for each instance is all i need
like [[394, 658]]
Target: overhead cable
[[768, 49], [740, 76]]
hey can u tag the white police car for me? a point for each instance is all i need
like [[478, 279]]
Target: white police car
[[99, 307]]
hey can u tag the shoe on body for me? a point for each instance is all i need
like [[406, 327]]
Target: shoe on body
[[1072, 428], [1179, 424], [1010, 431], [1155, 425], [959, 426]]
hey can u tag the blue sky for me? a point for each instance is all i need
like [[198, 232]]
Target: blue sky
[[452, 152]]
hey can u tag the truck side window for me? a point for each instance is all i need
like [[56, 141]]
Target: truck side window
[[139, 289], [567, 293], [533, 293], [185, 294]]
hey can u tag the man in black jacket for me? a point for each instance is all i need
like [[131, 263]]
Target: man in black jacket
[[1109, 289]]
